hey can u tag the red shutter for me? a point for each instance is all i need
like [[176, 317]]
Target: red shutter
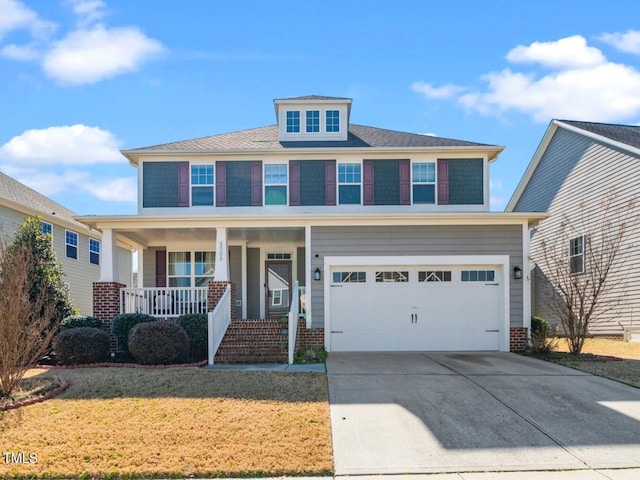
[[256, 184], [405, 182], [221, 184], [161, 268], [443, 182], [294, 183], [183, 184], [367, 182], [330, 182]]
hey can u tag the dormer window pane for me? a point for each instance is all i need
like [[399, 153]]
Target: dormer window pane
[[293, 121], [313, 121], [333, 121]]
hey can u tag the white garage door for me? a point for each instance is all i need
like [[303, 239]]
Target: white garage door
[[419, 308]]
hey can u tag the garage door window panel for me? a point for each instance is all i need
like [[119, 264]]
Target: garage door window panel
[[434, 276], [349, 277], [392, 277], [478, 275]]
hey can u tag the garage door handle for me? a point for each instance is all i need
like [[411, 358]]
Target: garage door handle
[[414, 318], [492, 284], [495, 331]]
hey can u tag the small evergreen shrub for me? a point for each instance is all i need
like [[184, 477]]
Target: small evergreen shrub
[[159, 343], [197, 327], [123, 323], [81, 345], [540, 341], [75, 321]]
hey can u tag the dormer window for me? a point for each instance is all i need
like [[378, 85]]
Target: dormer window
[[293, 121], [313, 121], [333, 121]]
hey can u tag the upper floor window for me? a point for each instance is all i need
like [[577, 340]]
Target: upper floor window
[[293, 121], [349, 181], [275, 184], [424, 182], [202, 184], [576, 255], [71, 243], [313, 121], [94, 251], [47, 229], [333, 121]]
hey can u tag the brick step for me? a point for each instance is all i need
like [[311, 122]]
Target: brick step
[[253, 342]]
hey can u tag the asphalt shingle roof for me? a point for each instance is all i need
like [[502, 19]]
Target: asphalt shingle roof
[[266, 138], [627, 134], [314, 97]]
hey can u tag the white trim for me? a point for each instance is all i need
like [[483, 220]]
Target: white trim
[[526, 279], [243, 254], [502, 261], [307, 273]]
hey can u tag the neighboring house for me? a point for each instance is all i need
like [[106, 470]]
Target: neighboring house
[[576, 166], [388, 234], [77, 247]]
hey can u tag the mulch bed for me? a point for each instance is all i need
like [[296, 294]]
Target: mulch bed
[[34, 390], [560, 357]]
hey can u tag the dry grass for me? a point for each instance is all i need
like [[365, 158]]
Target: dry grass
[[601, 346], [116, 422]]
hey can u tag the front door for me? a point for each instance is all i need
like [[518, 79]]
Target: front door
[[278, 287]]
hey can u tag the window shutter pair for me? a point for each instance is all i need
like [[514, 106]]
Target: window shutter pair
[[329, 182], [221, 184], [368, 182]]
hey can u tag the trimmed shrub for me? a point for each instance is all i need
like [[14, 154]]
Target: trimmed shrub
[[197, 327], [122, 325], [76, 321], [159, 343], [81, 345], [540, 341]]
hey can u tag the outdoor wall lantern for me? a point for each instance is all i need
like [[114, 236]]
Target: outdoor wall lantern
[[317, 275], [517, 272]]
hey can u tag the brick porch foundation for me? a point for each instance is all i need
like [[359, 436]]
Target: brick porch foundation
[[518, 341], [106, 306]]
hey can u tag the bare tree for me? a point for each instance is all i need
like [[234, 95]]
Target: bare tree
[[26, 329], [580, 260]]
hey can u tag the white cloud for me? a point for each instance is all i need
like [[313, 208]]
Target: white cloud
[[430, 91], [116, 190], [566, 53], [46, 182], [88, 56], [17, 16], [88, 11], [66, 145], [628, 42], [20, 52]]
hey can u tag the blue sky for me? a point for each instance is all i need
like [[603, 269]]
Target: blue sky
[[81, 79]]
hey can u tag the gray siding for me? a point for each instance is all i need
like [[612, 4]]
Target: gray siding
[[312, 182], [149, 266], [239, 184], [573, 176], [301, 273], [235, 271], [386, 182], [159, 184], [253, 282], [466, 185], [416, 240]]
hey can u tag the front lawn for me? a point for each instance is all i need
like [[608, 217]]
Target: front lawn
[[122, 422]]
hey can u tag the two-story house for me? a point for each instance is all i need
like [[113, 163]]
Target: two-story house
[[388, 234], [77, 247]]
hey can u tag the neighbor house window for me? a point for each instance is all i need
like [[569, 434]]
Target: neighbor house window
[[349, 181], [94, 251], [71, 242], [576, 255], [424, 182], [46, 229], [333, 121], [275, 184], [293, 121], [187, 269], [313, 121], [202, 183]]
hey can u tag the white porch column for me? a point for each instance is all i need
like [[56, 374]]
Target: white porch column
[[222, 256], [109, 257]]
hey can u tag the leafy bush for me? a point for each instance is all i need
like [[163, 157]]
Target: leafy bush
[[81, 345], [123, 323], [76, 321], [159, 343], [540, 341], [197, 327]]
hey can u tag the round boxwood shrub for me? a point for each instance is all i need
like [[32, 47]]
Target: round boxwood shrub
[[159, 343], [123, 323], [197, 327], [75, 321], [81, 345]]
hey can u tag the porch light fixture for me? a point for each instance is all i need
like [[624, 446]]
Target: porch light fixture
[[317, 275], [517, 272]]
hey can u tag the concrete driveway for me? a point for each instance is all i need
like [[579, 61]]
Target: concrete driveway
[[395, 413]]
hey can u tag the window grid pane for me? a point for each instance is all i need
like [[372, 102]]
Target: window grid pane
[[275, 174], [350, 173], [293, 121], [333, 121], [424, 173], [202, 175], [394, 276], [313, 121], [71, 244], [46, 228]]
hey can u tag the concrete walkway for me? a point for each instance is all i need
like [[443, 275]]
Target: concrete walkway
[[458, 414]]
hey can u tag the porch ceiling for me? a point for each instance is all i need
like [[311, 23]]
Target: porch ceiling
[[165, 236]]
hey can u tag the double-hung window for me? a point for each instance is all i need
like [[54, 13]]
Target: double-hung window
[[94, 251], [71, 243], [576, 255], [293, 121], [313, 121], [332, 121], [349, 182], [188, 269], [202, 184], [47, 229], [424, 182], [275, 184]]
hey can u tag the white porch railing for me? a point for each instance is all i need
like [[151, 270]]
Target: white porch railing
[[166, 302], [219, 321], [294, 313]]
